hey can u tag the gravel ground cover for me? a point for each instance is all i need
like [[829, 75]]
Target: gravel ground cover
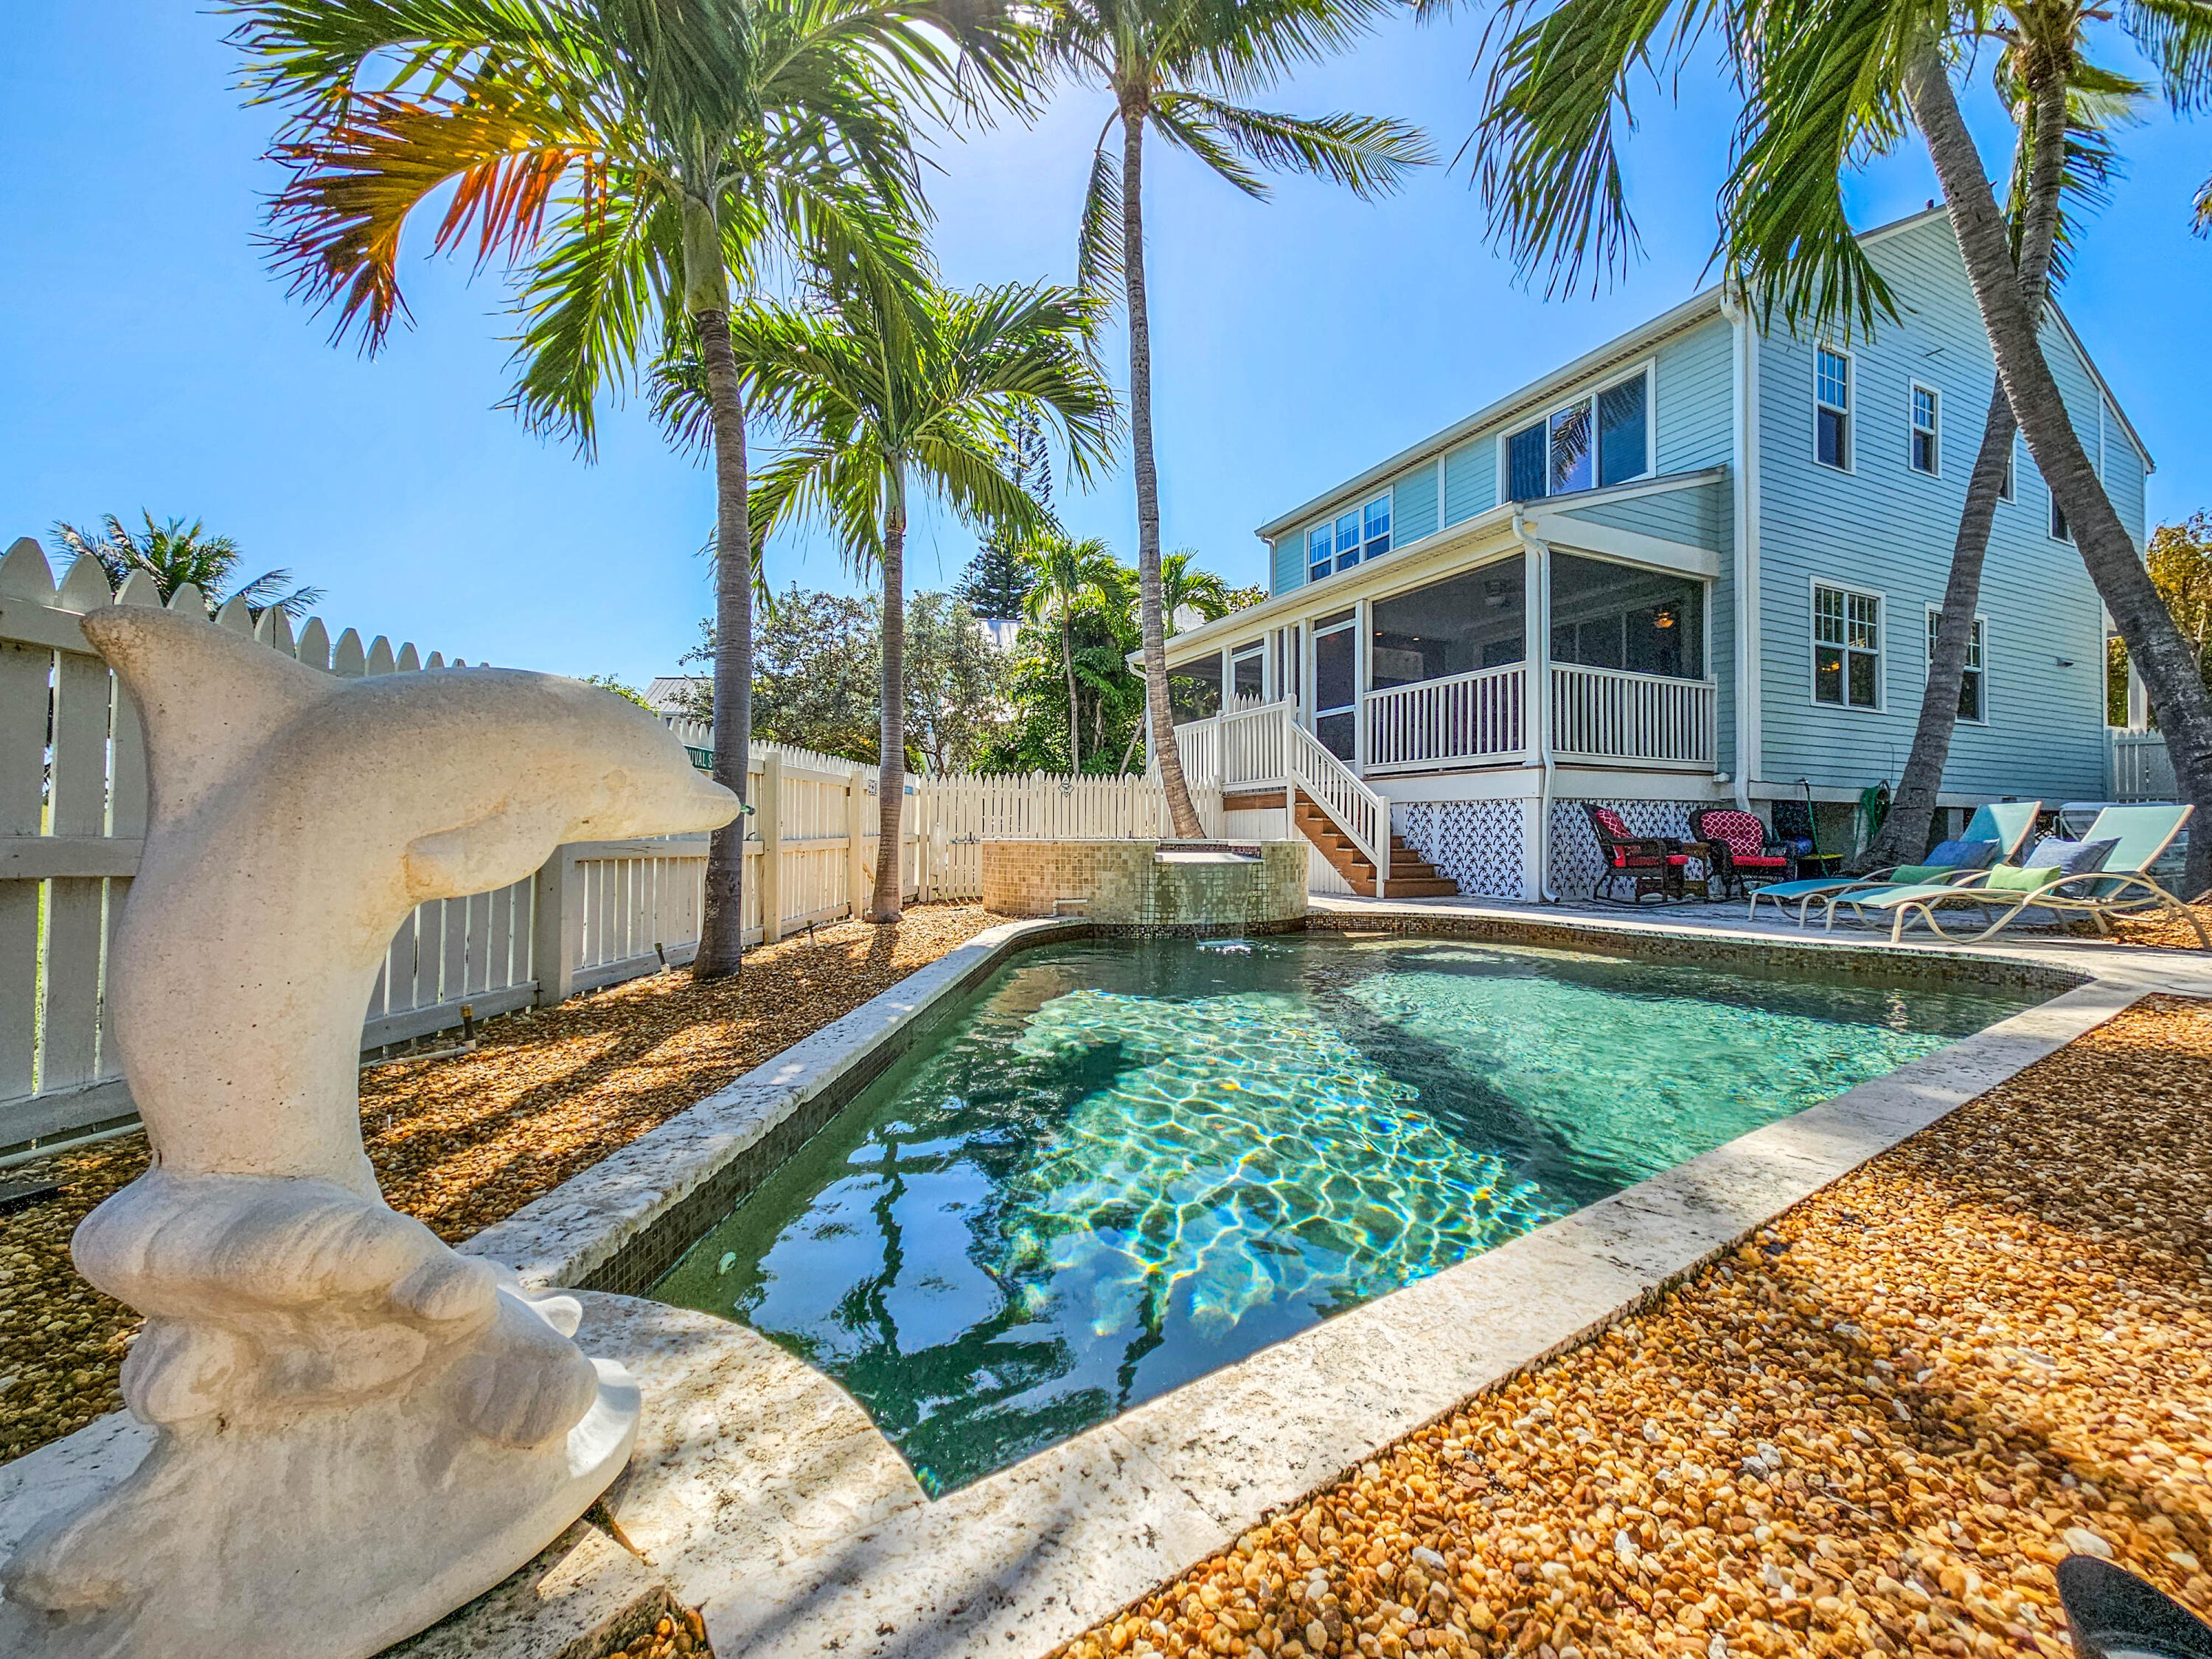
[[1871, 1430], [464, 1141]]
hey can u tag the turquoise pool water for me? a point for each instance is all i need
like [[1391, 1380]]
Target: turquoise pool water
[[1126, 1164]]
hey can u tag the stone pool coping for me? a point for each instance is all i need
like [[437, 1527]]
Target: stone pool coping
[[1027, 1558]]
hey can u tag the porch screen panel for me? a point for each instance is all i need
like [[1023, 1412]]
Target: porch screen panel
[[1470, 622], [1612, 616], [1195, 690]]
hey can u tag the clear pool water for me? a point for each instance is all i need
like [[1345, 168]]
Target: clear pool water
[[1126, 1164]]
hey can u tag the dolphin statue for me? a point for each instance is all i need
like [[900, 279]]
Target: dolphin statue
[[356, 1428]]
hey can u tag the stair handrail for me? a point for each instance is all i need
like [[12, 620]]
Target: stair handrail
[[1334, 787]]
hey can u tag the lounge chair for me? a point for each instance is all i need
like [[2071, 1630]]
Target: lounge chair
[[2007, 824], [2122, 887]]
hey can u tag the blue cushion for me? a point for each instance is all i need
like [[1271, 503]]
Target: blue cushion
[[1963, 854], [2076, 858]]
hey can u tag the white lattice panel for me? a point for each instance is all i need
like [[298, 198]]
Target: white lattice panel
[[1478, 843], [1575, 864]]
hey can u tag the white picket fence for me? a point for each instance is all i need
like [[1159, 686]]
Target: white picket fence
[[72, 821]]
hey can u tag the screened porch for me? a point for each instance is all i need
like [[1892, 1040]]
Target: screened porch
[[1446, 677]]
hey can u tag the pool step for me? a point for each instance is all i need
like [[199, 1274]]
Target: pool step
[[1412, 876]]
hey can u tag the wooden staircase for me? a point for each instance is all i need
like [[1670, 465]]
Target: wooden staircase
[[1410, 875]]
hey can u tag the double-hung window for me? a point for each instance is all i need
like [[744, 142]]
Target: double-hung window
[[1923, 451], [2060, 530], [1972, 698], [1831, 408], [1846, 648], [1597, 441], [2007, 486], [1364, 532]]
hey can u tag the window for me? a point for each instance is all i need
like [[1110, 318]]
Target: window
[[2006, 488], [1971, 706], [1594, 442], [1924, 455], [1831, 408], [1320, 553], [2060, 530], [1847, 648], [1362, 533]]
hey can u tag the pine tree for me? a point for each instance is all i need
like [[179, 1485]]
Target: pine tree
[[997, 581]]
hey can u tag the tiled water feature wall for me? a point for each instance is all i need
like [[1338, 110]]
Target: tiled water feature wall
[[1249, 887]]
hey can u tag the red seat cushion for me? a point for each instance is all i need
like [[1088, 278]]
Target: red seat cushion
[[1741, 833], [1762, 862]]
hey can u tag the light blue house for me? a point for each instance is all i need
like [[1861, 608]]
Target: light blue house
[[1733, 542]]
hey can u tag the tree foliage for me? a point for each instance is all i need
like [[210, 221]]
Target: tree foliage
[[817, 675], [174, 553], [2180, 560]]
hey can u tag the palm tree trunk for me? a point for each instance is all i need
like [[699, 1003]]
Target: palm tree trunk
[[890, 775], [721, 930], [2160, 654], [1150, 618], [1905, 833], [1074, 717]]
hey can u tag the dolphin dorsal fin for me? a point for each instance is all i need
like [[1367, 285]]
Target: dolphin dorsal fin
[[209, 697]]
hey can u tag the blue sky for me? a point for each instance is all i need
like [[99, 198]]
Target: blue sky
[[149, 359]]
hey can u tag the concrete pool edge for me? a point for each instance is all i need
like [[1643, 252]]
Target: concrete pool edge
[[1032, 1556]]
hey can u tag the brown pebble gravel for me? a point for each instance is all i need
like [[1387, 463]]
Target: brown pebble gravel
[[2157, 927], [670, 1638], [465, 1141], [1871, 1430]]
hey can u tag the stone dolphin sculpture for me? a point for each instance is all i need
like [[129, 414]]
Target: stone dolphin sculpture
[[359, 1429]]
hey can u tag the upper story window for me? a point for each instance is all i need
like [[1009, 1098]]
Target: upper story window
[[1831, 408], [1364, 532], [1924, 452], [1846, 648], [1972, 705], [2007, 488], [2060, 530], [1601, 439]]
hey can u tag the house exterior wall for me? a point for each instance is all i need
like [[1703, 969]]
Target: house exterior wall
[[1886, 529]]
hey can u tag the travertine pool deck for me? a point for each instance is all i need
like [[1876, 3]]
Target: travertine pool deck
[[801, 1538]]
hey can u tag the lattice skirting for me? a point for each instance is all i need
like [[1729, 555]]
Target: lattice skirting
[[1479, 844], [1575, 864]]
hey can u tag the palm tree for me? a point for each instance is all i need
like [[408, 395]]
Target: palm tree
[[884, 394], [2075, 108], [1184, 586], [1825, 85], [174, 553], [1176, 67], [1072, 577], [633, 158]]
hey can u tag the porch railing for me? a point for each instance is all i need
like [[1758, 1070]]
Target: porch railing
[[1603, 713], [2140, 767], [1240, 749], [1461, 717]]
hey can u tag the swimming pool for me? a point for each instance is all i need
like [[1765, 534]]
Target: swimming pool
[[1123, 1163]]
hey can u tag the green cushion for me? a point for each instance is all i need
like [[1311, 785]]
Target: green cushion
[[2010, 878], [1912, 875]]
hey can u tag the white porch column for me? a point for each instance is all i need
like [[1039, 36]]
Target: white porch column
[[1536, 633]]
